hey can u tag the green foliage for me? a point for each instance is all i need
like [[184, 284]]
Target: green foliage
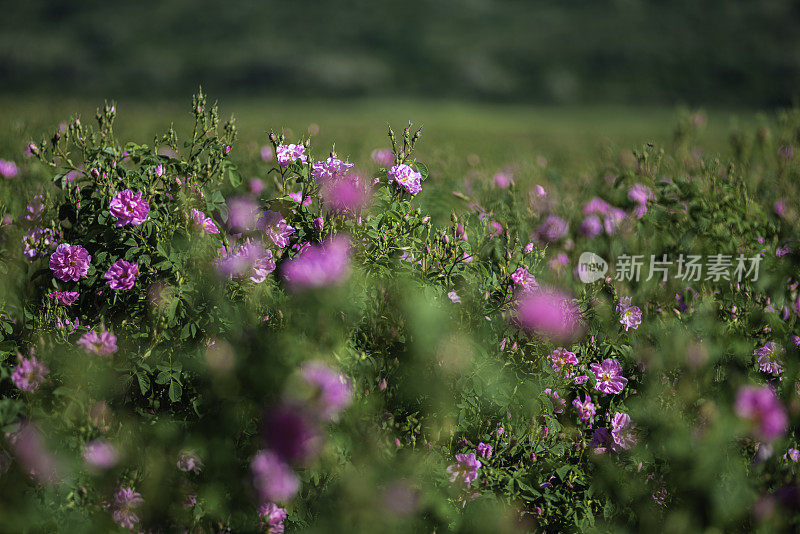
[[422, 325]]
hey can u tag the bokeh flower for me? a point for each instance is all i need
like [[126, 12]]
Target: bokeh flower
[[622, 431], [763, 410], [100, 454], [334, 389], [319, 265], [29, 374], [102, 343], [273, 478], [548, 313], [125, 501]]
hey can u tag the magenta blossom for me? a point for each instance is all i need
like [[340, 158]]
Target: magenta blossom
[[613, 220], [38, 241], [406, 177], [35, 208], [292, 430], [189, 461], [383, 156], [347, 195], [548, 313], [761, 407], [334, 389], [250, 259], [629, 316], [299, 198], [767, 360], [203, 222], [319, 265], [555, 398], [242, 213], [288, 154], [484, 450], [585, 408], [70, 262], [122, 275], [609, 376], [101, 344], [597, 206], [32, 454], [553, 229], [129, 208], [29, 374], [465, 470], [561, 357], [640, 194], [125, 501], [8, 169], [330, 169], [273, 478], [622, 431], [267, 153], [275, 226], [502, 180], [273, 516], [65, 298], [100, 454], [591, 226]]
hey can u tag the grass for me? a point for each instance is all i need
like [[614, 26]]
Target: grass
[[499, 135]]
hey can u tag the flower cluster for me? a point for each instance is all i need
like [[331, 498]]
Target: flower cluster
[[250, 259], [288, 154], [37, 242], [465, 470], [767, 360], [274, 225]]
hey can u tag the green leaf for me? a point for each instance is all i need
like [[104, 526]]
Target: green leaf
[[422, 169], [234, 177], [144, 382], [175, 391]]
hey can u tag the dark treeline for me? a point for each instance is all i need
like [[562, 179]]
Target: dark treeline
[[737, 52]]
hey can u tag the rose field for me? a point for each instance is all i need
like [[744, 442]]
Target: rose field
[[283, 316]]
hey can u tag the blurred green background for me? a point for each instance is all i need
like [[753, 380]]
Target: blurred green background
[[732, 52], [507, 81]]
